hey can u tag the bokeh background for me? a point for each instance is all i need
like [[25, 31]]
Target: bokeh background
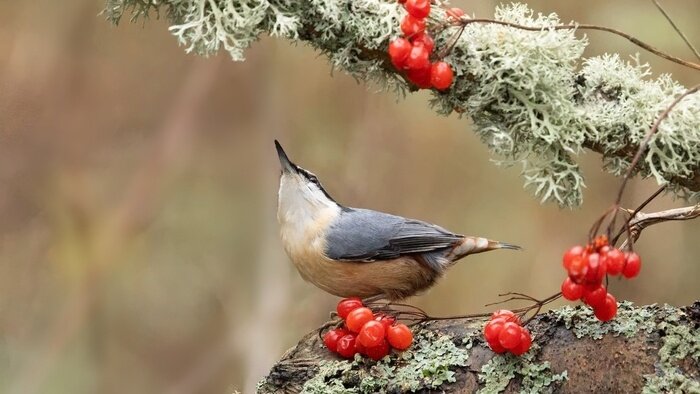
[[138, 241]]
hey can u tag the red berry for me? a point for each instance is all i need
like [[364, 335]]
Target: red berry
[[506, 314], [578, 268], [400, 336], [496, 346], [424, 39], [378, 352], [359, 347], [509, 337], [386, 320], [441, 75], [525, 343], [330, 339], [411, 26], [570, 255], [616, 261], [346, 346], [372, 333], [594, 296], [571, 290], [600, 241], [420, 77], [418, 8], [418, 58], [402, 1], [455, 13], [399, 48], [357, 318], [633, 265], [596, 269], [493, 328], [607, 310], [347, 305]]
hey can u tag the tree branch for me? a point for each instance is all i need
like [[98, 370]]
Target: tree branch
[[616, 32], [640, 220], [533, 99]]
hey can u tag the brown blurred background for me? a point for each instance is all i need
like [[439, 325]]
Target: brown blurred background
[[138, 241]]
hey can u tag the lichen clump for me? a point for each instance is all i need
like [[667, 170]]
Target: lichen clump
[[536, 377], [534, 101], [628, 322], [679, 342], [429, 363]]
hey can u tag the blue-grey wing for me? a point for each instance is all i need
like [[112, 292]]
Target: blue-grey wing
[[365, 235]]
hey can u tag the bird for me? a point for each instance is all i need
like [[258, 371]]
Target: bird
[[355, 252]]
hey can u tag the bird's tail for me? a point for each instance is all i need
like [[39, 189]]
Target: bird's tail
[[472, 245]]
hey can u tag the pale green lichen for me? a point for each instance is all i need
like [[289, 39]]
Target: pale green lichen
[[529, 100], [670, 382], [620, 104], [206, 26], [328, 380], [628, 322], [435, 358], [679, 342], [536, 377], [429, 363], [519, 94]]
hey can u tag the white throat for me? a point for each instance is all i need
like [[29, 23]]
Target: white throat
[[303, 211]]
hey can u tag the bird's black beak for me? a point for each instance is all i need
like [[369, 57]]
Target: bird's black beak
[[287, 165]]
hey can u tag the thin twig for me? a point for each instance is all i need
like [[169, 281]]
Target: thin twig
[[647, 138], [639, 43], [452, 42], [599, 222], [416, 316], [641, 206], [637, 156], [675, 27], [642, 220]]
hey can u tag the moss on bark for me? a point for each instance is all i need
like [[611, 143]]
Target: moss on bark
[[652, 349]]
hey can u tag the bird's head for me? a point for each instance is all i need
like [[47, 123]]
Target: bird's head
[[300, 191]]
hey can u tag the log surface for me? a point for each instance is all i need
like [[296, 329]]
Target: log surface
[[644, 349]]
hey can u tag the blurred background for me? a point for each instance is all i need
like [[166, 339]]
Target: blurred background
[[139, 249]]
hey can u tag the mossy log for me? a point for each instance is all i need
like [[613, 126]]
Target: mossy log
[[644, 349]]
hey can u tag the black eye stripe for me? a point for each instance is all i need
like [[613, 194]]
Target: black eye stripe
[[311, 177]]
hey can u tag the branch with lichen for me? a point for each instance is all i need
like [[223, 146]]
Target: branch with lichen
[[647, 349], [639, 220], [532, 97]]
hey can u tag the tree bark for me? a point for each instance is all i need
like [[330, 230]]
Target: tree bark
[[650, 349]]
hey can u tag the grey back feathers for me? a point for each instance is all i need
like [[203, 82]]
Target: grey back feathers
[[366, 235]]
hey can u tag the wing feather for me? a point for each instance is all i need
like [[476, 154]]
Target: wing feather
[[365, 235]]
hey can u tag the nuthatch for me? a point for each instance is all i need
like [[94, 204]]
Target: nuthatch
[[359, 252]]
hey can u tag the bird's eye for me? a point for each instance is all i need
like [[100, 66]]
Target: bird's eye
[[311, 177]]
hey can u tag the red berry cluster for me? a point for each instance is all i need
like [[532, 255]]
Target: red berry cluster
[[587, 267], [504, 333], [411, 53], [369, 334]]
